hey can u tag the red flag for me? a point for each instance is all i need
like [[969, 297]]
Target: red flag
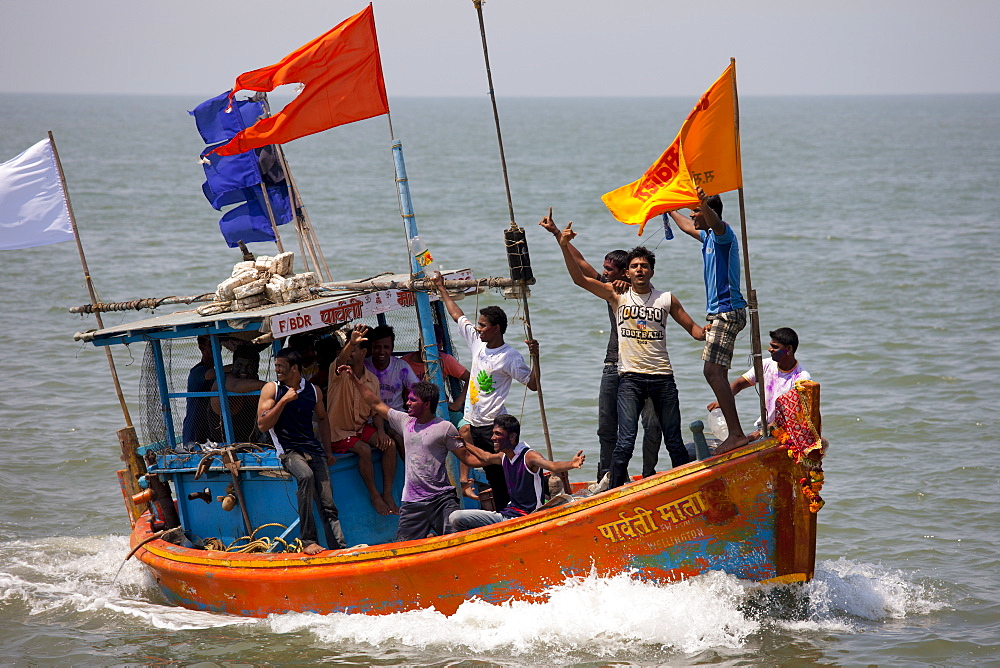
[[343, 82]]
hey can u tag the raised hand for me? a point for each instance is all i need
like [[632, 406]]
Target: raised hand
[[567, 235], [358, 334], [549, 225]]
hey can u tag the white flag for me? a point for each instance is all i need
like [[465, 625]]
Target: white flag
[[33, 210]]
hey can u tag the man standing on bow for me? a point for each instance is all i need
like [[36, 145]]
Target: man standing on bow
[[607, 398], [725, 305]]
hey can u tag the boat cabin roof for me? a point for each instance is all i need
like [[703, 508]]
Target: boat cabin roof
[[279, 319]]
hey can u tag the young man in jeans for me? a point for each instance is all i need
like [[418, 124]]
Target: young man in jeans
[[607, 398], [643, 363], [286, 408]]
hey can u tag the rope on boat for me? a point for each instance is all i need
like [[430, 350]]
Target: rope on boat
[[255, 545], [140, 304]]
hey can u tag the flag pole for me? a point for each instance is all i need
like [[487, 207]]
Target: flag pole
[[755, 347], [535, 357], [308, 244], [90, 283], [270, 216]]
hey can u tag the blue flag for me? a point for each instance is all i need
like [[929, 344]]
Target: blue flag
[[216, 125], [249, 221], [227, 176], [236, 179]]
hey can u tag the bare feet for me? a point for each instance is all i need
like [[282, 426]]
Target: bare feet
[[313, 548], [380, 505], [467, 490], [391, 503], [731, 443]]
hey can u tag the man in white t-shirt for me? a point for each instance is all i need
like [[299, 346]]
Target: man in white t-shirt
[[643, 363], [494, 366], [780, 372]]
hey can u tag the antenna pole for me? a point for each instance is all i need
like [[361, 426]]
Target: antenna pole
[[535, 358]]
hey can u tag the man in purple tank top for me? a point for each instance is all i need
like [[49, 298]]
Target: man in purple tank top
[[522, 469]]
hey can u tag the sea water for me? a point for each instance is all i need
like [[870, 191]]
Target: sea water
[[872, 224]]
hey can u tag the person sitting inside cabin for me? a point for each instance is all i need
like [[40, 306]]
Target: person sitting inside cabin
[[286, 409], [522, 469], [450, 368], [725, 306], [395, 377], [495, 365], [429, 498], [355, 426], [327, 349], [305, 345], [780, 373], [196, 414], [241, 377]]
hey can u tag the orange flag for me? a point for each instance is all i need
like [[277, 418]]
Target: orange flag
[[705, 153], [343, 82]]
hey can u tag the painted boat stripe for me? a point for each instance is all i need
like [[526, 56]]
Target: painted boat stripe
[[369, 554]]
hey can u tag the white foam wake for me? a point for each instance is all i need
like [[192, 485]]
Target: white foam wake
[[593, 616]]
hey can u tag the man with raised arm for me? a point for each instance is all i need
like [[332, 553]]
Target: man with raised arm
[[607, 398], [725, 305], [780, 372], [286, 409], [428, 497], [643, 363], [494, 366], [450, 368], [522, 468], [355, 427]]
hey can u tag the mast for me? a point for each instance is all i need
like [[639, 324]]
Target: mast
[[422, 301], [309, 247], [755, 348], [514, 235], [127, 441]]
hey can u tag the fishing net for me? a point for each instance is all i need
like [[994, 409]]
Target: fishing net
[[193, 418]]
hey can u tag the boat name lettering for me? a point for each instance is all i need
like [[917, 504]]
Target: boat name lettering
[[342, 312], [404, 298], [642, 522], [292, 322]]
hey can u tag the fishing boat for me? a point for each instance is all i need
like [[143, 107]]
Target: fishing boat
[[746, 512], [216, 524]]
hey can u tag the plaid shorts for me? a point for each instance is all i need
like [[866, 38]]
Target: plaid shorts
[[721, 339]]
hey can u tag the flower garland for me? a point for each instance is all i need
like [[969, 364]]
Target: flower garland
[[794, 430]]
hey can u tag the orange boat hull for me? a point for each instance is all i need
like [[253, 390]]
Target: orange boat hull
[[742, 513]]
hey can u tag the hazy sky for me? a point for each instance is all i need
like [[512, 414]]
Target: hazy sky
[[537, 47]]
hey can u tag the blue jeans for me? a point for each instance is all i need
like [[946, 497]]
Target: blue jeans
[[463, 520], [607, 426], [313, 478], [634, 390]]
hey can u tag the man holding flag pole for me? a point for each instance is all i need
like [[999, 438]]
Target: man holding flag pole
[[704, 159]]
